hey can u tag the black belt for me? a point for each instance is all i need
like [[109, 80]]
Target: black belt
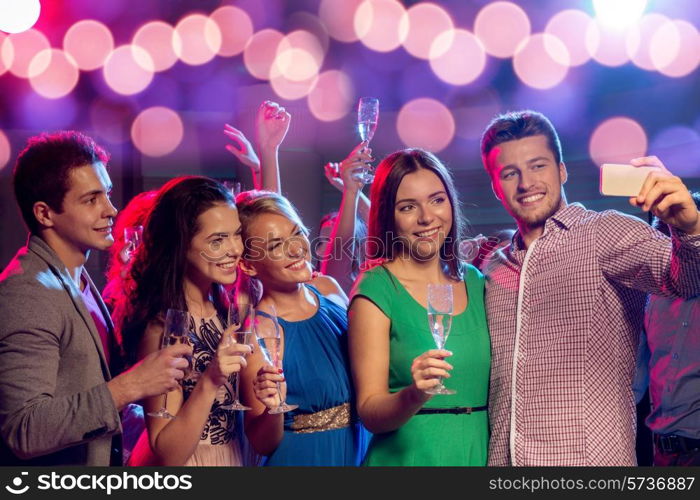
[[454, 411], [675, 444]]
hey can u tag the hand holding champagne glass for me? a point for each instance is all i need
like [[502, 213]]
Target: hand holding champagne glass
[[132, 239], [267, 330], [367, 119], [239, 331], [440, 322], [176, 331]]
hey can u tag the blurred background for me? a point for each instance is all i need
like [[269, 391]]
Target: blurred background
[[154, 82]]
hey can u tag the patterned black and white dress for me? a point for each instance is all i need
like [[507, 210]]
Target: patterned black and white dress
[[220, 442]]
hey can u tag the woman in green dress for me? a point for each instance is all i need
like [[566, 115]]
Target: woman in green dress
[[414, 232]]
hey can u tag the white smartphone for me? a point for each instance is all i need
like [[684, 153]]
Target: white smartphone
[[622, 180]]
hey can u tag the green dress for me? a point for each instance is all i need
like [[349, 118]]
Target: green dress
[[433, 439]]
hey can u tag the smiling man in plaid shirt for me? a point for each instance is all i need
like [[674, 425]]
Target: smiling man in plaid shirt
[[566, 299]]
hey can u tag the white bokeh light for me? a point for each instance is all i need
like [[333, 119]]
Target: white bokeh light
[[17, 16]]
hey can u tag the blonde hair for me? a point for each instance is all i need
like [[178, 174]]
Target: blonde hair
[[252, 204]]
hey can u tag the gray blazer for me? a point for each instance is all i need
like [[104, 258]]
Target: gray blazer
[[55, 408]]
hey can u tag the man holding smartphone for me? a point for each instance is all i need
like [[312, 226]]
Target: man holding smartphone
[[566, 299]]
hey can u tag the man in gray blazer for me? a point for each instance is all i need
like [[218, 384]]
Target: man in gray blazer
[[59, 404]]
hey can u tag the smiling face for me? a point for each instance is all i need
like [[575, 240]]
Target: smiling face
[[277, 251], [87, 214], [216, 248], [527, 179], [422, 214]]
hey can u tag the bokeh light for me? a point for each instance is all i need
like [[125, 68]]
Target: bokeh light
[[619, 14], [291, 89], [542, 61], [128, 70], [260, 52], [18, 16], [425, 123], [335, 15], [607, 46], [200, 39], [381, 25], [25, 46], [7, 53], [299, 56], [675, 48], [617, 140], [157, 131], [679, 148], [59, 76], [459, 57], [5, 150], [160, 40], [89, 43], [332, 97], [501, 27], [570, 26], [639, 40], [236, 28], [425, 22]]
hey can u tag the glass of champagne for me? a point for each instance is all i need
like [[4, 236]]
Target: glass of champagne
[[132, 239], [241, 317], [367, 118], [176, 331], [267, 331], [440, 321]]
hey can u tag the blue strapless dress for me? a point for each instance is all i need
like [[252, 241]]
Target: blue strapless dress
[[317, 370]]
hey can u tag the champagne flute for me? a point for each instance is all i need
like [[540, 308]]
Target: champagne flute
[[241, 317], [132, 239], [267, 330], [440, 321], [176, 331], [367, 118]]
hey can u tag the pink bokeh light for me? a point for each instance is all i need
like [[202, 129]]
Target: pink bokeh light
[[335, 15], [332, 97], [260, 52], [89, 43], [425, 123], [501, 27], [675, 48], [639, 39], [381, 25], [426, 21], [7, 54], [200, 37], [59, 76], [128, 70], [159, 39], [25, 46], [541, 61], [157, 131], [5, 150], [236, 28], [617, 140], [570, 26], [457, 57], [606, 45]]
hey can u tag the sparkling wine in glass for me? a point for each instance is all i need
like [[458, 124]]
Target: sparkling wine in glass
[[440, 322], [132, 239], [367, 118], [267, 331], [241, 317], [176, 331]]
